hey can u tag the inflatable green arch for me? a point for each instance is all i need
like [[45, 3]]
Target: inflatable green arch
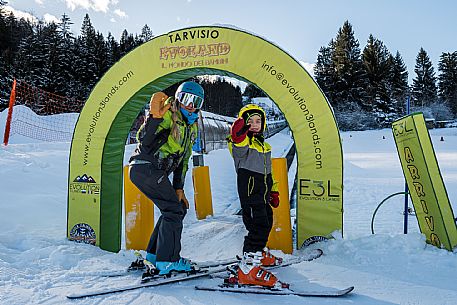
[[95, 181]]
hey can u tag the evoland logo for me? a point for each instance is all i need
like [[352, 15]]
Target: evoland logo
[[85, 185], [83, 233], [194, 51]]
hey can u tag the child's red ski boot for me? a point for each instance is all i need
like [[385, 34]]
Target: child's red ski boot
[[269, 259], [249, 273]]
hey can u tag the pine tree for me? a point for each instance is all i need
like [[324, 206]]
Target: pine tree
[[12, 32], [127, 43], [3, 29], [424, 85], [378, 68], [32, 59], [101, 55], [16, 30], [67, 81], [350, 77], [85, 59], [114, 52], [4, 84], [447, 79], [324, 71], [146, 34], [52, 41], [399, 82], [3, 67]]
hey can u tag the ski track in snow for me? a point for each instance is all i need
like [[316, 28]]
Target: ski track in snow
[[38, 265]]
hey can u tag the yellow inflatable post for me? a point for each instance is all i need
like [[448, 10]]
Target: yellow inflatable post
[[202, 192], [139, 215], [281, 234]]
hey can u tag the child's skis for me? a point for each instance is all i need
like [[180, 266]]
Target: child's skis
[[277, 291]]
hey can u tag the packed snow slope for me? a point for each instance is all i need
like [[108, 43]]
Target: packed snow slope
[[38, 265]]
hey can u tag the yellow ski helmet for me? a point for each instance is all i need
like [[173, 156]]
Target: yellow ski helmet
[[252, 109]]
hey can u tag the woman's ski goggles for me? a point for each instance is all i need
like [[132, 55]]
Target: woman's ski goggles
[[189, 99]]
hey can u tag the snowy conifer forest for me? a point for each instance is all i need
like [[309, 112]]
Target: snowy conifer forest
[[367, 86]]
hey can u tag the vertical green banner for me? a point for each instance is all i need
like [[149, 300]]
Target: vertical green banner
[[426, 187]]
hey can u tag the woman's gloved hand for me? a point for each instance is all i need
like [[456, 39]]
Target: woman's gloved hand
[[159, 104], [182, 198]]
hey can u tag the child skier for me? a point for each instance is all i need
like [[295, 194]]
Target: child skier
[[258, 193]]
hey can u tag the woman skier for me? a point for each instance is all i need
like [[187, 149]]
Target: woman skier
[[164, 146]]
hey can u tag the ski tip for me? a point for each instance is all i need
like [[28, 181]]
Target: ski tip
[[74, 296], [347, 290]]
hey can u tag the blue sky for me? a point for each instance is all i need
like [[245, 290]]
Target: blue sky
[[298, 27]]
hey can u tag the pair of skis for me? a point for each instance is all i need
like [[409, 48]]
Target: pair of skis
[[155, 282], [135, 270], [210, 269], [279, 291]]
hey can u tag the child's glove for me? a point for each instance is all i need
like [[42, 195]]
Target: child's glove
[[159, 104], [274, 199], [239, 130], [182, 198]]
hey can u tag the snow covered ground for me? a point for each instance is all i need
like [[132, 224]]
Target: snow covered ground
[[39, 266]]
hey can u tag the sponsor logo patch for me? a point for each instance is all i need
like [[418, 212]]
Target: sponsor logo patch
[[85, 185], [313, 239], [83, 233]]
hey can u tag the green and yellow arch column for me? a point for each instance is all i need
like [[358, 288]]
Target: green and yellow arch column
[[95, 170]]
